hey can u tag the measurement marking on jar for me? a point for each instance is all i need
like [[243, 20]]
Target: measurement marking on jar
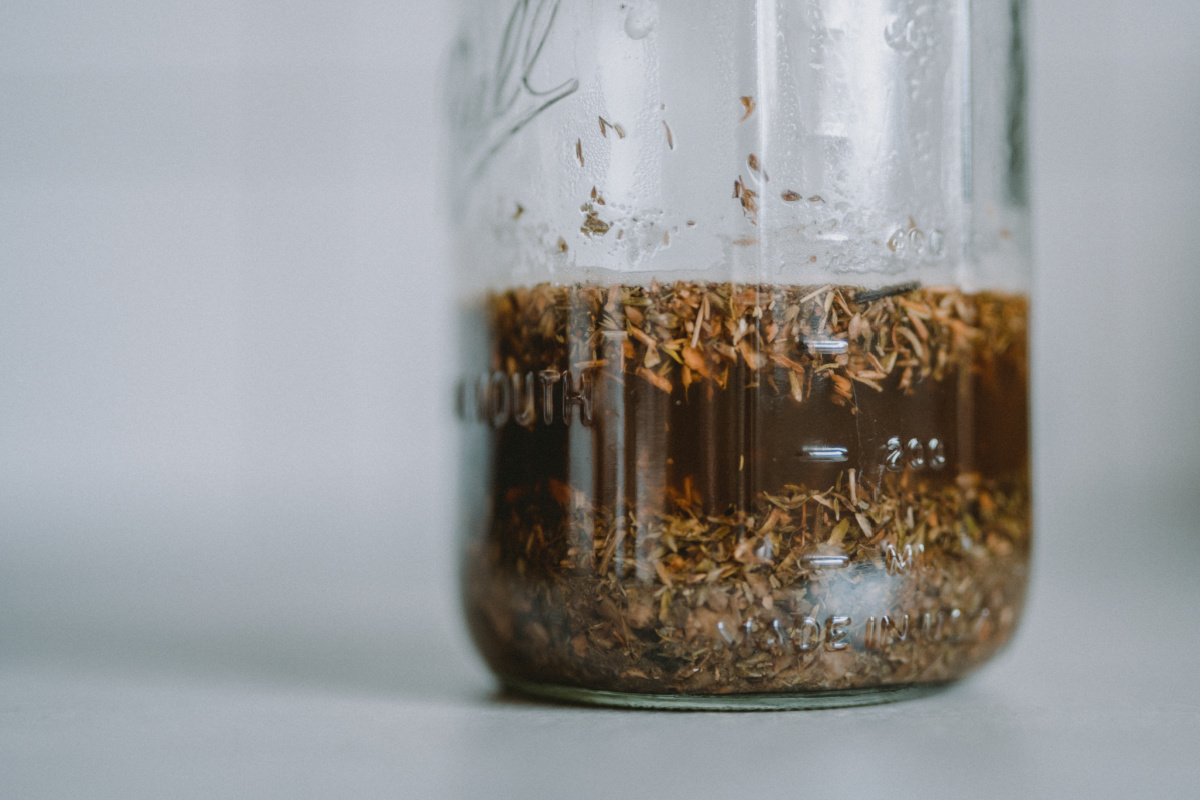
[[916, 454], [825, 453], [871, 295], [905, 560], [827, 346], [825, 561]]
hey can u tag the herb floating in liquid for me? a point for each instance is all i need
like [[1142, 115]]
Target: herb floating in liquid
[[715, 488]]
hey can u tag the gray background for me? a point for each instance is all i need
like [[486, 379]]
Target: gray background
[[225, 427]]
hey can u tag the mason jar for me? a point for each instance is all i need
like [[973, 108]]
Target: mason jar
[[743, 299]]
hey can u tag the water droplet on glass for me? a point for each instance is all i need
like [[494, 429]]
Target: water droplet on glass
[[638, 23], [937, 244], [899, 35], [916, 239]]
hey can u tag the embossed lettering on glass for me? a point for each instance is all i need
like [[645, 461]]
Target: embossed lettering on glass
[[743, 294]]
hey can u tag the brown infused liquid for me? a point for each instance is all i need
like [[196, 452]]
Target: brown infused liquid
[[724, 488]]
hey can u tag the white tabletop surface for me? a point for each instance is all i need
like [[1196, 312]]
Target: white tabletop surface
[[1098, 697]]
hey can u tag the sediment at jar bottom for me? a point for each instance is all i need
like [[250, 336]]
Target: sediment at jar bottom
[[752, 604], [709, 489]]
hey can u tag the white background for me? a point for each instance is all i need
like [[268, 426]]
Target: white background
[[225, 473]]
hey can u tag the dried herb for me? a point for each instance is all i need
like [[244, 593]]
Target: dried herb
[[748, 105], [592, 224], [746, 196], [713, 488], [605, 125]]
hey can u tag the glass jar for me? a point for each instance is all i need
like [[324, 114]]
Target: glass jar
[[743, 304]]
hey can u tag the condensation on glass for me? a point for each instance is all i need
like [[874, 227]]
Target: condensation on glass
[[743, 303]]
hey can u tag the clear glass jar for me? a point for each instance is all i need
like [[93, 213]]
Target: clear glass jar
[[743, 295]]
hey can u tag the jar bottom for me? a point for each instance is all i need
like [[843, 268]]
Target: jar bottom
[[765, 701]]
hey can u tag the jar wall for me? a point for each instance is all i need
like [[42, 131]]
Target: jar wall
[[878, 140], [743, 338]]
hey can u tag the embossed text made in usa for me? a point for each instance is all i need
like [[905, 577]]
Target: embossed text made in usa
[[836, 633]]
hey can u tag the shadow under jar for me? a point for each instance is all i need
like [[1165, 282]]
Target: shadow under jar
[[743, 337]]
